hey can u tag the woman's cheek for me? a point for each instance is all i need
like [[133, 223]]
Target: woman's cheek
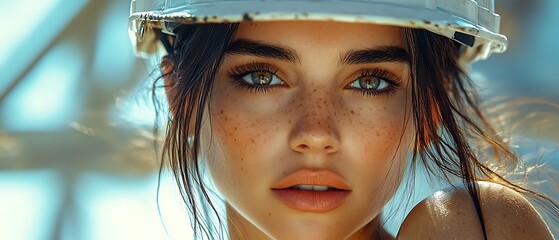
[[238, 141], [382, 148]]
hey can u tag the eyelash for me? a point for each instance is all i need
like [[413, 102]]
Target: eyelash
[[392, 80], [237, 74]]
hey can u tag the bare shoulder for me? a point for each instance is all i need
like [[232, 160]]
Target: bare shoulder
[[450, 214]]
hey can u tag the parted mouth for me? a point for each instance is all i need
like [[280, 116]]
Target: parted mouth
[[312, 180], [313, 187], [317, 188], [311, 190]]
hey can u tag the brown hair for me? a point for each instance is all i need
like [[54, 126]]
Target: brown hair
[[449, 122]]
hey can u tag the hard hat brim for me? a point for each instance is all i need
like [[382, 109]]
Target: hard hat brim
[[482, 25]]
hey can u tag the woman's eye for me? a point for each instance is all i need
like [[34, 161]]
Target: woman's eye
[[376, 82], [261, 78], [370, 83], [256, 77]]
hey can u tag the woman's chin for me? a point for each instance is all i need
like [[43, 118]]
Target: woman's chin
[[318, 228], [310, 233]]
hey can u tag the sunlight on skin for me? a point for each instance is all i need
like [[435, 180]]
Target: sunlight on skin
[[440, 202]]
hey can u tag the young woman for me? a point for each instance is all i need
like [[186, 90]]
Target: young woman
[[300, 118]]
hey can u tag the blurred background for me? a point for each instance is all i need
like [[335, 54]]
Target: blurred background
[[76, 147]]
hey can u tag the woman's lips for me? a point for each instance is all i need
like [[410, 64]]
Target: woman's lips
[[309, 190]]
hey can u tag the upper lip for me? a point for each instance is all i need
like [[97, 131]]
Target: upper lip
[[312, 177]]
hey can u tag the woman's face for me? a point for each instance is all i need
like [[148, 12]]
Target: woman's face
[[310, 127]]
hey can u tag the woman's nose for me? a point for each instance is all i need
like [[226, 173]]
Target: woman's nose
[[315, 131]]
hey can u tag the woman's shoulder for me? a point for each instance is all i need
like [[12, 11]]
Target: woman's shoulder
[[450, 214]]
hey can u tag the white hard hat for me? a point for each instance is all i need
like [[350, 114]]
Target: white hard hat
[[473, 23]]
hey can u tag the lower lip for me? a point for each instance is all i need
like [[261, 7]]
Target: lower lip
[[312, 201]]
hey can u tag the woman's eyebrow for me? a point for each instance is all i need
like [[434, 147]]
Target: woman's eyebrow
[[243, 46], [375, 55]]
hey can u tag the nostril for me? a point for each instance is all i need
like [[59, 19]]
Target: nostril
[[303, 146], [328, 148]]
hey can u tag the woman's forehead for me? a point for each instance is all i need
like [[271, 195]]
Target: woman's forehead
[[322, 34]]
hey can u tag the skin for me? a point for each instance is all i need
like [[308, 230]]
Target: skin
[[313, 121], [252, 139], [449, 214]]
